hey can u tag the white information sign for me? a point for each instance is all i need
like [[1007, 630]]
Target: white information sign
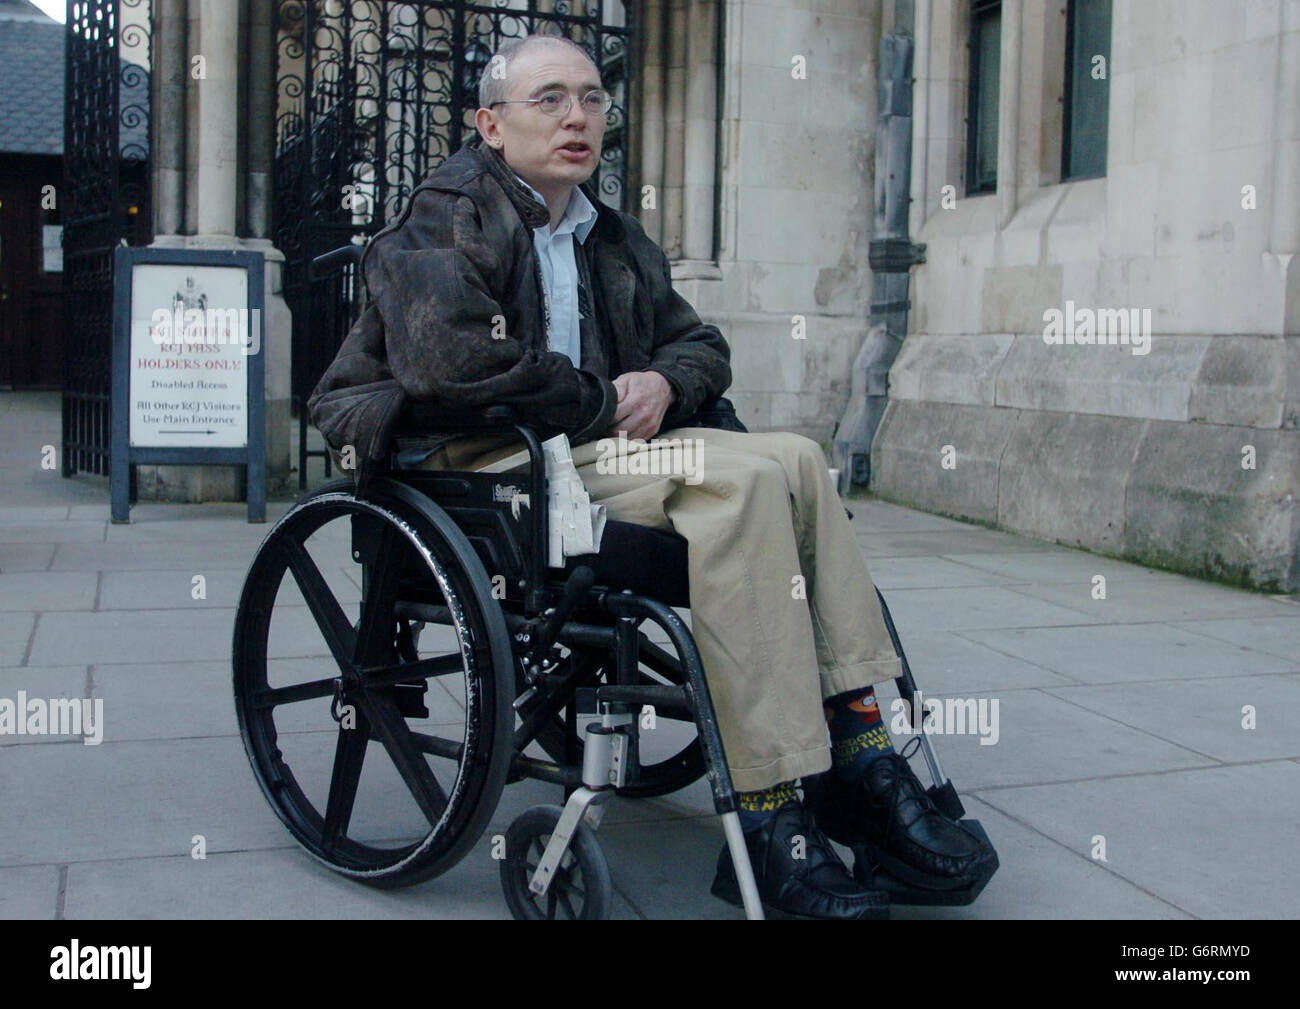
[[191, 336]]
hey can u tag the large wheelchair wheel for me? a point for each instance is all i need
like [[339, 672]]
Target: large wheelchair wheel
[[670, 753], [323, 669]]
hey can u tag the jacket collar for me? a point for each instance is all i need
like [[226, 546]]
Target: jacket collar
[[531, 211]]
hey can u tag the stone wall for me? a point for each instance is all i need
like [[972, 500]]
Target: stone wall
[[1187, 455], [796, 163]]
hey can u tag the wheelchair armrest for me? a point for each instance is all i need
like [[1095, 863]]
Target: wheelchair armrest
[[718, 413], [429, 418], [336, 258]]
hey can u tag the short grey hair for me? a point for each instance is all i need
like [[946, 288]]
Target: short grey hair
[[496, 87]]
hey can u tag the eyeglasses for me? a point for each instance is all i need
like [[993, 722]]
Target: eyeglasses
[[558, 103]]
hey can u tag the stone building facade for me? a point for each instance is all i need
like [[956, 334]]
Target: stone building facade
[[1186, 455], [786, 277], [753, 128]]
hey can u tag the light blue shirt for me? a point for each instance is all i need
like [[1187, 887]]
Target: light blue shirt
[[555, 254]]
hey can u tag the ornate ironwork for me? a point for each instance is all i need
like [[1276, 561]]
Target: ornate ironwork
[[372, 95], [105, 201]]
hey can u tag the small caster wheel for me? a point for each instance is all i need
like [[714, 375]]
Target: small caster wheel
[[581, 887]]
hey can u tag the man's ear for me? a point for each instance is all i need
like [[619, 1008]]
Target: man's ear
[[485, 122]]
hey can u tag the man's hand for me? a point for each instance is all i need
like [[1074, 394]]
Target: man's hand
[[643, 399]]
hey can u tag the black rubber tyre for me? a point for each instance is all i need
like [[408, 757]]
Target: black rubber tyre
[[581, 888], [395, 821]]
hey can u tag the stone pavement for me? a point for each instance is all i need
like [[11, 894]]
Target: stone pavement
[[1119, 719]]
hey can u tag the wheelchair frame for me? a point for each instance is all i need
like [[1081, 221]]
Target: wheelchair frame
[[425, 541]]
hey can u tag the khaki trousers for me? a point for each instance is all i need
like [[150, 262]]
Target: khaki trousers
[[782, 606]]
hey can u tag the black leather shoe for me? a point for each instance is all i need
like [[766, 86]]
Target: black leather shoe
[[815, 886], [888, 818]]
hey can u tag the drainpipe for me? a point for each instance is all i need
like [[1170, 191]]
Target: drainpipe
[[892, 254]]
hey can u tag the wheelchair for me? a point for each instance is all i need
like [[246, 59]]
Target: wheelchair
[[445, 638]]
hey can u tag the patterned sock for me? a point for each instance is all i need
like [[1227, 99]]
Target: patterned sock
[[756, 808], [858, 735]]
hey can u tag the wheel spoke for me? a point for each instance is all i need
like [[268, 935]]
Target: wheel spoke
[[273, 697], [405, 672], [329, 615], [438, 746], [406, 756], [349, 753], [573, 916], [374, 642]]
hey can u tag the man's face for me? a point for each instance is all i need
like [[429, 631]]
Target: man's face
[[537, 145]]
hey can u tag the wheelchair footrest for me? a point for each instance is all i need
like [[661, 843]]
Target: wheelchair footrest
[[909, 893]]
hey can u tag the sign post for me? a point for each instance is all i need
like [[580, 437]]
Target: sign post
[[188, 370]]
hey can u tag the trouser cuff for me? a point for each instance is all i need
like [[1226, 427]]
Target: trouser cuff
[[840, 679], [787, 768]]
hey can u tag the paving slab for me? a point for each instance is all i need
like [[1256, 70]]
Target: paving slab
[[871, 516], [52, 532], [29, 892], [666, 873], [1038, 738], [49, 590], [41, 487], [1040, 878], [170, 590], [174, 590], [166, 700], [946, 543], [1215, 842], [16, 557], [73, 803], [944, 661], [222, 535], [15, 633], [1147, 598], [977, 607], [1114, 653], [1053, 565], [281, 883], [1207, 716], [1278, 636], [928, 573], [187, 556], [37, 513], [136, 635], [146, 514]]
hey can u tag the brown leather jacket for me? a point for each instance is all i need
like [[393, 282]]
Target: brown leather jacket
[[456, 317]]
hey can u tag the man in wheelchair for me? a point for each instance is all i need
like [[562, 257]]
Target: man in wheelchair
[[507, 281]]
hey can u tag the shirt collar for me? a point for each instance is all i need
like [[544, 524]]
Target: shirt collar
[[579, 216]]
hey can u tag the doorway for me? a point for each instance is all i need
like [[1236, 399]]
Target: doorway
[[31, 274]]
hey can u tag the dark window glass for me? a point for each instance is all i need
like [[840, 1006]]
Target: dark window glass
[[1087, 89], [982, 117]]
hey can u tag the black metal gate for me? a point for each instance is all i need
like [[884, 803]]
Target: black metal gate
[[105, 201], [373, 96]]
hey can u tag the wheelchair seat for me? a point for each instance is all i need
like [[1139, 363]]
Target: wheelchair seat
[[639, 559]]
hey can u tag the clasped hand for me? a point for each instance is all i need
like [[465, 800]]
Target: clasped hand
[[643, 399]]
